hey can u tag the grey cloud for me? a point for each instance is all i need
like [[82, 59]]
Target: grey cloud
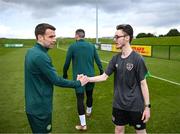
[[160, 13], [163, 12], [109, 6], [50, 4]]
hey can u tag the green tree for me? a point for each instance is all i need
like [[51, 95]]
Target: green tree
[[173, 32], [161, 35], [143, 35]]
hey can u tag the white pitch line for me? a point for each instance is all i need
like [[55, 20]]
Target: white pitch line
[[156, 77], [62, 49], [172, 82], [104, 61]]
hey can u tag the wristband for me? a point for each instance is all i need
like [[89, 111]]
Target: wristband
[[147, 105]]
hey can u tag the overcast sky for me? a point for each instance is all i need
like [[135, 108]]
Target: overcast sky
[[18, 18]]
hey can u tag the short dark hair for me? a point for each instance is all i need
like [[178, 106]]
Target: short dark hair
[[41, 29], [80, 32], [127, 29]]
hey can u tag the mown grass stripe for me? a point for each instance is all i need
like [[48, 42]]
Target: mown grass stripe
[[156, 77]]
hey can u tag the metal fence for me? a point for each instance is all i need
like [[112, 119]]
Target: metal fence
[[170, 52]]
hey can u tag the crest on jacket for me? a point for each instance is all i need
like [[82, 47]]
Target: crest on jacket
[[129, 66]]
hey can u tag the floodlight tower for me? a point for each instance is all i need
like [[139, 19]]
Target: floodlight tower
[[97, 22]]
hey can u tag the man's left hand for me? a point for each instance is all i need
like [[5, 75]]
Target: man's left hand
[[146, 114]]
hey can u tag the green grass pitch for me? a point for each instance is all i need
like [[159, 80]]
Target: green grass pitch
[[164, 96]]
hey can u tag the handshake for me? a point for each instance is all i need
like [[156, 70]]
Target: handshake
[[83, 79]]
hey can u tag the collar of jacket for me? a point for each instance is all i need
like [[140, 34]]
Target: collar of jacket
[[80, 40], [38, 45]]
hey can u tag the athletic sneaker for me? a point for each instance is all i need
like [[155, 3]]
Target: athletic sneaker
[[81, 128]]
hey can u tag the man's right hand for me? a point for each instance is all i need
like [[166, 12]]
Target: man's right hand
[[83, 79]]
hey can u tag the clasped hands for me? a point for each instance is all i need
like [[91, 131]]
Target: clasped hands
[[83, 79]]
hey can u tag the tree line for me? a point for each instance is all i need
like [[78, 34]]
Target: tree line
[[172, 32]]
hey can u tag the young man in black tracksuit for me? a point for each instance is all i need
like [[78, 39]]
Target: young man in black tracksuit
[[131, 103]]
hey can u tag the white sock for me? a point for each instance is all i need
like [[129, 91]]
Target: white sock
[[89, 110], [82, 120]]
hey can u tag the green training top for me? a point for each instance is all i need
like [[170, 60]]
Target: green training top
[[40, 76], [83, 55]]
